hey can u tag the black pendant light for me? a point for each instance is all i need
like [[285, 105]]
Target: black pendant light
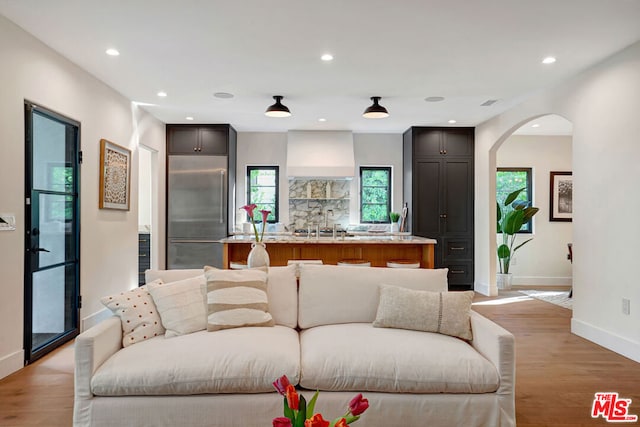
[[375, 111], [277, 109]]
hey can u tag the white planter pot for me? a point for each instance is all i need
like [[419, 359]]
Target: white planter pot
[[504, 281], [258, 256]]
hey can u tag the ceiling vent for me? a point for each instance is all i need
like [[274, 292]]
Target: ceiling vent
[[488, 102]]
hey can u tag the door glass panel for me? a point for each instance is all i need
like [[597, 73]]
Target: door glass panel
[[56, 231], [52, 156], [53, 312]]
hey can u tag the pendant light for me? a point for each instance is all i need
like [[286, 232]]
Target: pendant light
[[277, 109], [375, 111]]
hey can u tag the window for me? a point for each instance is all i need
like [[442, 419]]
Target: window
[[262, 189], [509, 180], [375, 194]]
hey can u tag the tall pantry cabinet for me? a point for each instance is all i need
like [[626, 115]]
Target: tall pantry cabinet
[[439, 191]]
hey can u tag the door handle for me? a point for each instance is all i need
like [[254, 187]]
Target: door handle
[[39, 250], [221, 197]]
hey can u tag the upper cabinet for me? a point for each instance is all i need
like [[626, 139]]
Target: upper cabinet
[[210, 140], [442, 142]]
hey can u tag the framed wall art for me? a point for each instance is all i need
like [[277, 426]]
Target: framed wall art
[[561, 196], [115, 176]]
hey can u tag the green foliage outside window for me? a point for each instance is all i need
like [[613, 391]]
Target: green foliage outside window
[[375, 194], [509, 180], [262, 189]]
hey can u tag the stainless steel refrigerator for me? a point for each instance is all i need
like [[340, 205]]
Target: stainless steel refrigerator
[[197, 210]]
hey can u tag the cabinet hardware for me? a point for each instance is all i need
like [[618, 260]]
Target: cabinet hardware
[[142, 241], [195, 148], [443, 216], [456, 248], [142, 255], [457, 271], [444, 152]]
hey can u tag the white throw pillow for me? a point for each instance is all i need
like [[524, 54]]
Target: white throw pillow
[[181, 305], [442, 312], [138, 314], [237, 298]]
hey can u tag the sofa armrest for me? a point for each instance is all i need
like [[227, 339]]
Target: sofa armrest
[[498, 345], [92, 348]]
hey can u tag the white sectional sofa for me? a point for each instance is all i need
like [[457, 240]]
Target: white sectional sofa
[[323, 339]]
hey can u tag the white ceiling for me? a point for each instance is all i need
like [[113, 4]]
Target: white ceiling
[[468, 51]]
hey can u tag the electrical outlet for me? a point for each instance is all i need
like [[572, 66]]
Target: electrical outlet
[[626, 309]]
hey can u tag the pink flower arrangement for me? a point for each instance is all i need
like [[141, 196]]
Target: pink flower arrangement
[[297, 413], [265, 213]]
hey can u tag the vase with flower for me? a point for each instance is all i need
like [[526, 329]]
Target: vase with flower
[[258, 256], [297, 413]]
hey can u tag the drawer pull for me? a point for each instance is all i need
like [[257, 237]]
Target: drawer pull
[[142, 241], [457, 248], [457, 271], [142, 255]]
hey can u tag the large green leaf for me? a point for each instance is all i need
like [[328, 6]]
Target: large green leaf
[[513, 222], [519, 204], [522, 244], [529, 213], [503, 251], [511, 197]]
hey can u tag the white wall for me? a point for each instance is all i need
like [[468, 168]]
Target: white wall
[[30, 70], [603, 104], [542, 261], [270, 148]]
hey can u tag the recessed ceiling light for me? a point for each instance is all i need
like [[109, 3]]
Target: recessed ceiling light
[[162, 94], [188, 118], [549, 60], [434, 98], [322, 119], [452, 121], [112, 52], [223, 95], [535, 125], [327, 57]]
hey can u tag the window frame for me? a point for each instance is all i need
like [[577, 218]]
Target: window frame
[[529, 172], [389, 169], [276, 169]]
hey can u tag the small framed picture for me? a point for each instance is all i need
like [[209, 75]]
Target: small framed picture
[[561, 196], [115, 176]]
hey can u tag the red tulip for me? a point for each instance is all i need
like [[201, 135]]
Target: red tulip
[[281, 422], [281, 384], [358, 405], [316, 421], [293, 400], [341, 423]]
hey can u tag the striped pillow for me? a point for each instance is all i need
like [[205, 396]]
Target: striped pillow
[[236, 298]]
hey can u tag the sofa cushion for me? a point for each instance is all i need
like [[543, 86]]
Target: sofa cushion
[[237, 298], [138, 314], [282, 290], [359, 357], [181, 305], [332, 294], [442, 312], [241, 360]]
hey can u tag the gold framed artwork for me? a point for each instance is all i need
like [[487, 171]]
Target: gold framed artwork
[[115, 176]]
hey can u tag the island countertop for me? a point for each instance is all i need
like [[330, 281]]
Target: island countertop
[[376, 248]]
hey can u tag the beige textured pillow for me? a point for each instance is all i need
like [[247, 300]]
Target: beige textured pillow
[[138, 314], [181, 305], [442, 312], [237, 298]]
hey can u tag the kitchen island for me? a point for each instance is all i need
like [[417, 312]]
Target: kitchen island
[[377, 249]]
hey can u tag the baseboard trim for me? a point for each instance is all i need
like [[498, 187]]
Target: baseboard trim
[[93, 319], [11, 363], [542, 281], [484, 289], [613, 342]]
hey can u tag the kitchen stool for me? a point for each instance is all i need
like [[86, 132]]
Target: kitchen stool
[[355, 262], [403, 263], [238, 265]]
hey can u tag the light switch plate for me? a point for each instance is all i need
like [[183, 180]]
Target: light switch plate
[[8, 222]]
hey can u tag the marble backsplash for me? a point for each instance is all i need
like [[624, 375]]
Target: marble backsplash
[[316, 201]]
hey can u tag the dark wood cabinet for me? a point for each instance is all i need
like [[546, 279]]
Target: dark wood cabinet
[[209, 140], [438, 188], [144, 256]]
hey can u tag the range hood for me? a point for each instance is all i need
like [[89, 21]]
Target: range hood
[[320, 154]]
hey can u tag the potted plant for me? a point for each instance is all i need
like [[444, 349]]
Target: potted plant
[[394, 217], [512, 216]]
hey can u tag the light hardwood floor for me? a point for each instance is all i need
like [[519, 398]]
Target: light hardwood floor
[[557, 373]]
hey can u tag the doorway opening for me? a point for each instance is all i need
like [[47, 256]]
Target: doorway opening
[[52, 231], [147, 211]]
